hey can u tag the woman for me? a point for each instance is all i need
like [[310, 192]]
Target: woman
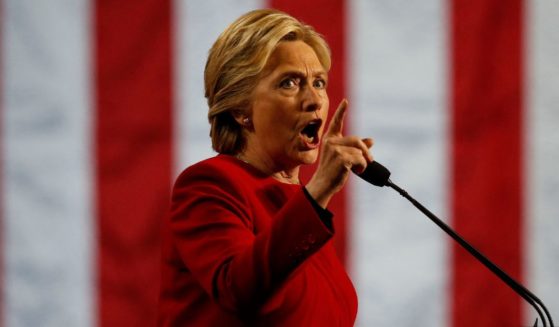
[[245, 243]]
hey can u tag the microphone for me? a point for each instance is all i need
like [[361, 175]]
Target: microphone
[[378, 175]]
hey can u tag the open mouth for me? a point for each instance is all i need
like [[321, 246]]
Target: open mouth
[[310, 132]]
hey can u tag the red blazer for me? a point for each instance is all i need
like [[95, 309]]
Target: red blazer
[[240, 248]]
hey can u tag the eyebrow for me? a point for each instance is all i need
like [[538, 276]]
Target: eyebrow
[[301, 74]]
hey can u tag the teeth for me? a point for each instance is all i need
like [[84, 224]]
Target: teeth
[[310, 132], [309, 139]]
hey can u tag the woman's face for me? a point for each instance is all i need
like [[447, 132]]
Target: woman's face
[[289, 106]]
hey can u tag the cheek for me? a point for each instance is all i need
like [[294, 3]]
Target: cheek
[[325, 103], [324, 112]]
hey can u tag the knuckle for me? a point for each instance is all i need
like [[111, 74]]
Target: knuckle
[[329, 141], [356, 152], [353, 139]]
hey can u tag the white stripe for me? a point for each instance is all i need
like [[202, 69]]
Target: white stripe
[[398, 96], [199, 23], [542, 153], [47, 163]]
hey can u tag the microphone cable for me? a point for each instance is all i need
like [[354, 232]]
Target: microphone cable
[[378, 175]]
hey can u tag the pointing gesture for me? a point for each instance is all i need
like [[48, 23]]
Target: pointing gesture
[[339, 156], [337, 123]]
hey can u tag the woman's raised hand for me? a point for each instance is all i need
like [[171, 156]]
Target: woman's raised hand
[[339, 155]]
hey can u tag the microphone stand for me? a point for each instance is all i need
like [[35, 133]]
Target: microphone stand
[[516, 286]]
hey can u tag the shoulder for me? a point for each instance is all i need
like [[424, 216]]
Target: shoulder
[[220, 168], [219, 162], [215, 187], [221, 173]]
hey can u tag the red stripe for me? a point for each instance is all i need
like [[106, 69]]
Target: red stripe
[[329, 19], [487, 157], [133, 102]]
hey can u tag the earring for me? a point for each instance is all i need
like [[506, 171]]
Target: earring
[[246, 121]]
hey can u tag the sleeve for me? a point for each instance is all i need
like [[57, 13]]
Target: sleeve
[[324, 214], [212, 229]]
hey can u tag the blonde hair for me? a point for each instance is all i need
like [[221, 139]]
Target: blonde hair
[[235, 62]]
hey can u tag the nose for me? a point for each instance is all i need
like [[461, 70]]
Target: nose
[[313, 99]]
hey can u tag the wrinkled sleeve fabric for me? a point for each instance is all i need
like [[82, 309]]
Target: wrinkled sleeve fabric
[[212, 224]]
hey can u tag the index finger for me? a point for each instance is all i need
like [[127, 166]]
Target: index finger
[[337, 123]]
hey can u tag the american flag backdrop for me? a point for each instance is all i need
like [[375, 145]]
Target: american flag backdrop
[[101, 106]]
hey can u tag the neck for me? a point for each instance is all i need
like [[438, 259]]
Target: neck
[[288, 176], [269, 167]]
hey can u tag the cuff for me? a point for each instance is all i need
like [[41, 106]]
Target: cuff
[[324, 214]]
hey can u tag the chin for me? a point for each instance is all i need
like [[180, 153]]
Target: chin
[[308, 157]]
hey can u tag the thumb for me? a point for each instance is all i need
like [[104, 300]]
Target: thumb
[[368, 142]]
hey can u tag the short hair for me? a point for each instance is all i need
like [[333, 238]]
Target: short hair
[[235, 63]]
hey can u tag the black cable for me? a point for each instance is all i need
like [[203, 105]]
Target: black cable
[[511, 282]]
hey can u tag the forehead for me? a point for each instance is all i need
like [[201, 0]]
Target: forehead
[[293, 55]]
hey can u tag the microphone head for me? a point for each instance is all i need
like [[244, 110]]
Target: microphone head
[[376, 174]]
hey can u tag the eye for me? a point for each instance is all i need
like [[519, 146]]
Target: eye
[[319, 83], [289, 83]]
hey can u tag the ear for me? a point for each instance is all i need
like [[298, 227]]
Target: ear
[[242, 119], [238, 116]]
